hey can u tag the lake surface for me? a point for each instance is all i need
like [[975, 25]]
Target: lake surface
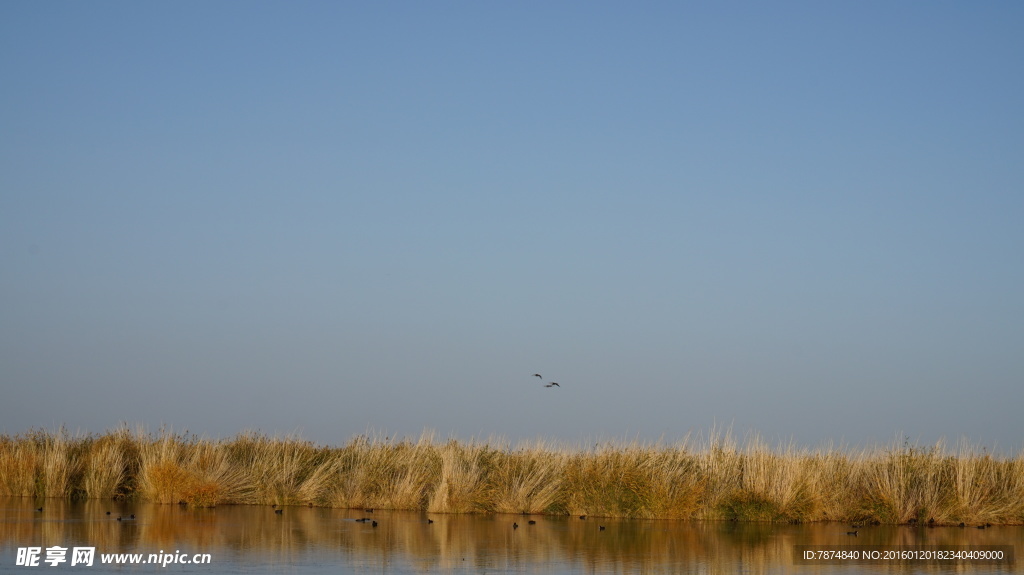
[[246, 539]]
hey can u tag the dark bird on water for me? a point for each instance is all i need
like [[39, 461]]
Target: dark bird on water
[[553, 384], [279, 511], [515, 526], [40, 509], [532, 522], [854, 533], [373, 524]]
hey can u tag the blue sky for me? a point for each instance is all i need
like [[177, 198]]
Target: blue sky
[[802, 219]]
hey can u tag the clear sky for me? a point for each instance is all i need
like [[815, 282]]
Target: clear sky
[[802, 219]]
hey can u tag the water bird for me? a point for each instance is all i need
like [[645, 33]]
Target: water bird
[[600, 527], [373, 524], [553, 384], [108, 513], [515, 525], [532, 522], [429, 521], [118, 517], [583, 516], [370, 510], [362, 520], [279, 511], [981, 527], [40, 509], [132, 516], [854, 533]]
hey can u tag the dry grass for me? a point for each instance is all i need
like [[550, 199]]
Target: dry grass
[[278, 470], [19, 466], [369, 473], [528, 480], [713, 478], [459, 486], [773, 485], [106, 465]]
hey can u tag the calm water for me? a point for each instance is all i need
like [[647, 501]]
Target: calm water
[[304, 540]]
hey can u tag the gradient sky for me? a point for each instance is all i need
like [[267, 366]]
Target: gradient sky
[[801, 219]]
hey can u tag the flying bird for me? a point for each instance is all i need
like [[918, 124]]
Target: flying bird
[[537, 375], [553, 384]]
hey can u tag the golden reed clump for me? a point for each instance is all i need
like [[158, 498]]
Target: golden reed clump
[[711, 478]]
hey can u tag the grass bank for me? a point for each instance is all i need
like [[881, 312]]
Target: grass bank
[[712, 478]]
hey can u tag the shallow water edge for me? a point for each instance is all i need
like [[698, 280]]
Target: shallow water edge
[[314, 540]]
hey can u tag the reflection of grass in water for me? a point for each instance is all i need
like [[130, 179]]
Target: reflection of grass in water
[[255, 535], [714, 478]]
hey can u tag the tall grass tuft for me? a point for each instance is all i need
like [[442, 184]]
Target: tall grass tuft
[[773, 485], [107, 465], [902, 483], [278, 469], [984, 489], [720, 465], [19, 464], [58, 465], [832, 488], [528, 480], [371, 473], [162, 475], [460, 486]]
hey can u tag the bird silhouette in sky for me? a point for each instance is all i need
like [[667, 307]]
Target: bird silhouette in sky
[[539, 376], [553, 384]]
